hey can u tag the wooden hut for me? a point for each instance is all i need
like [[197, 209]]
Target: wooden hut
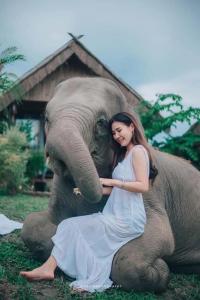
[[73, 59]]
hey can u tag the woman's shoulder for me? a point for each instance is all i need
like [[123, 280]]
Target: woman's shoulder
[[139, 150]]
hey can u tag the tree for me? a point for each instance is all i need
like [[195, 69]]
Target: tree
[[154, 122], [13, 160], [8, 82]]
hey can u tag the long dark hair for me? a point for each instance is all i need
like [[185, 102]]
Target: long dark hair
[[137, 139]]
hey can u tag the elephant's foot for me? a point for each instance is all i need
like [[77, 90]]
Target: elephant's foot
[[37, 232], [141, 276]]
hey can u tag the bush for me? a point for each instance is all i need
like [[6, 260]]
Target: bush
[[36, 164], [13, 160]]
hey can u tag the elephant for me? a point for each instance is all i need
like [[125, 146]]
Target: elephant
[[79, 152]]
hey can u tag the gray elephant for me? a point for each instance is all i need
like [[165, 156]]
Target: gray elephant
[[78, 148]]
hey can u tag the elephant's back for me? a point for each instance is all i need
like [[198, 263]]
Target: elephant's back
[[176, 172]]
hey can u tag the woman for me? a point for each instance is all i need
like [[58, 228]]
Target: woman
[[84, 246]]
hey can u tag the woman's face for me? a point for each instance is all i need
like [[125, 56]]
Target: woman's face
[[122, 133]]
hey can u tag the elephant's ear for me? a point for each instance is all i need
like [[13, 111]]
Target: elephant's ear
[[101, 128]]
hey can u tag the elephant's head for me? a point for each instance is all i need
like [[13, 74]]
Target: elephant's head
[[76, 128]]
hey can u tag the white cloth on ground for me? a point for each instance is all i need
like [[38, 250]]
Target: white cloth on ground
[[7, 225], [84, 246]]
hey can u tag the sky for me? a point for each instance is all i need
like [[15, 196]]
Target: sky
[[153, 45]]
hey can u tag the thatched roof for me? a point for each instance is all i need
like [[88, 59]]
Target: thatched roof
[[74, 47]]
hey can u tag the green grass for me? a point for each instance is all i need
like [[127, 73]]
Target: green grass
[[14, 256], [17, 207]]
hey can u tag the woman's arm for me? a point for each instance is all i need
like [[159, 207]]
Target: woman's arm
[[141, 184], [107, 190]]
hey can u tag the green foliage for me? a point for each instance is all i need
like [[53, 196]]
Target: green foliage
[[5, 121], [19, 206], [8, 83], [187, 145], [13, 159], [7, 80], [26, 127], [35, 164]]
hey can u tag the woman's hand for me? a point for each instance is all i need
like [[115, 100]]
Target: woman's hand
[[108, 181]]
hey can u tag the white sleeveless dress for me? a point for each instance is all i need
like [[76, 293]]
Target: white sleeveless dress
[[84, 246]]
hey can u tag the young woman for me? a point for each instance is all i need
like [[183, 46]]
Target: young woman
[[84, 246]]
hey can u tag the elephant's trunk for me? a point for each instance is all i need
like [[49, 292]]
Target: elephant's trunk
[[69, 147]]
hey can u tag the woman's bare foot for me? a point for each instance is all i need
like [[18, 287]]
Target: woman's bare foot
[[38, 274], [77, 290], [44, 272]]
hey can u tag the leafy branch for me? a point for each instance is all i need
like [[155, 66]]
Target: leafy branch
[[166, 112], [8, 83]]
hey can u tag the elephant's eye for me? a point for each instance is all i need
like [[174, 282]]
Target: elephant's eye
[[94, 153]]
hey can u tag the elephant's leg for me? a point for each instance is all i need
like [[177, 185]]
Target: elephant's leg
[[41, 226], [185, 269], [138, 265], [185, 261], [65, 204], [37, 232], [62, 204], [186, 257]]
